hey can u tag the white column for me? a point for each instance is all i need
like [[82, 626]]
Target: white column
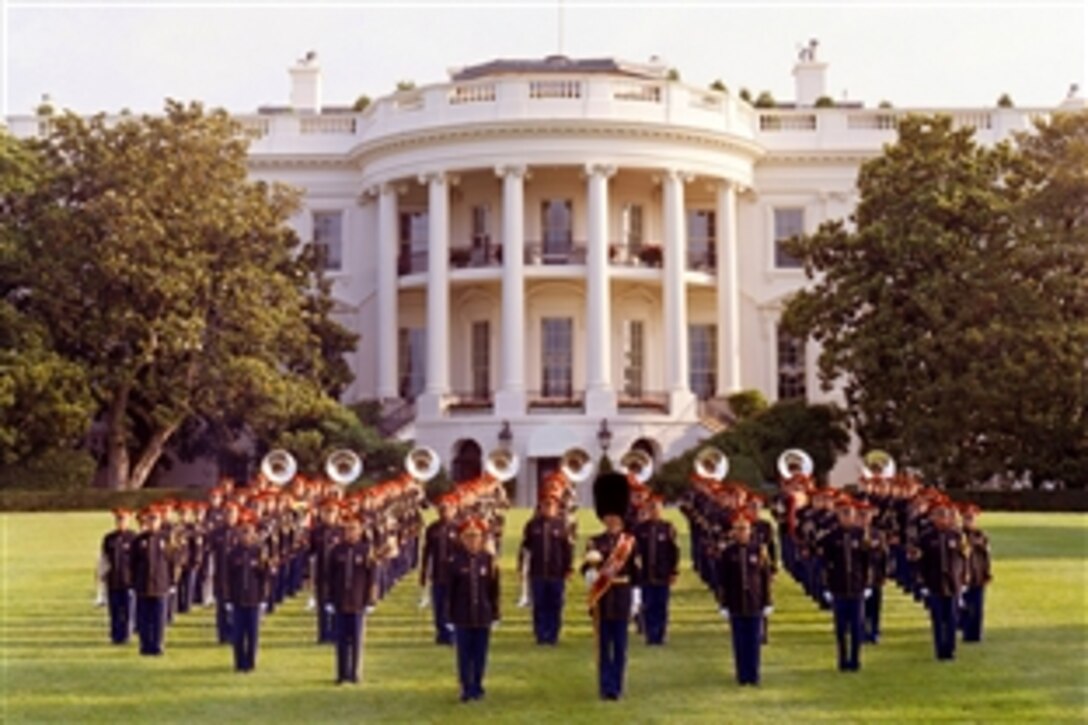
[[510, 398], [600, 396], [728, 290], [677, 380], [438, 294], [387, 292]]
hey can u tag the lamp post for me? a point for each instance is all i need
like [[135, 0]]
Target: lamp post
[[604, 435], [506, 436]]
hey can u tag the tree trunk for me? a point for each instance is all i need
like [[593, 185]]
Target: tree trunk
[[150, 455], [117, 459]]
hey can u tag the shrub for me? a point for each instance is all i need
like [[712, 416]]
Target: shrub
[[1004, 101], [361, 103], [747, 404], [57, 469], [764, 100], [825, 102]]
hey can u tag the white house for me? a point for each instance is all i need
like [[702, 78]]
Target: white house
[[540, 249]]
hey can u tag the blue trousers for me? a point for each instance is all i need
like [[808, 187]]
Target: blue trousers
[[438, 610], [973, 599], [848, 628], [872, 614], [611, 656], [547, 609], [655, 612], [942, 613], [222, 622], [349, 643], [747, 633], [247, 625], [186, 586], [151, 623], [120, 615], [326, 627], [472, 643]]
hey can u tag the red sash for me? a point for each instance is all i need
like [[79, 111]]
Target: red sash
[[611, 568]]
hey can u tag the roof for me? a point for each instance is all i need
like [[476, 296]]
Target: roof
[[654, 70]]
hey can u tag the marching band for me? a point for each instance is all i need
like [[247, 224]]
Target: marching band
[[247, 549]]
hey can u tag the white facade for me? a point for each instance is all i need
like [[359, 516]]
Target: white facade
[[634, 215]]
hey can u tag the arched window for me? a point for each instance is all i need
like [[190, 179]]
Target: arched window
[[467, 460], [646, 446]]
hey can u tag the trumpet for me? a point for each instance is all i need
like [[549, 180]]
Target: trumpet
[[638, 465], [711, 463], [279, 467], [343, 467]]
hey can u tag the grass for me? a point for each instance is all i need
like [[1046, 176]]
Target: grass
[[56, 663]]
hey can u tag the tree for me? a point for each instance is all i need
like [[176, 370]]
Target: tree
[[764, 100], [361, 103], [1004, 101], [942, 309], [719, 86], [171, 279]]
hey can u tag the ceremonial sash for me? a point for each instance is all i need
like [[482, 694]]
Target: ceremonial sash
[[625, 546]]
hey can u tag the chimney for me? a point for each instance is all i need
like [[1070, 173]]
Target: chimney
[[809, 75], [306, 84]]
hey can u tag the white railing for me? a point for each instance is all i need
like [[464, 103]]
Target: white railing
[[705, 101], [327, 124], [645, 92], [255, 128], [872, 121], [408, 101], [787, 122], [555, 88], [477, 93]]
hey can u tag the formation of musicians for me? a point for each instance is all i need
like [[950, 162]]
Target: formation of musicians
[[247, 549]]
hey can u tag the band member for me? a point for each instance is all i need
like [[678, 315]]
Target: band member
[[744, 594], [978, 574], [942, 566], [324, 536], [247, 579], [117, 565], [879, 555], [660, 557], [151, 561], [845, 556], [353, 587], [221, 540], [190, 537], [763, 531], [439, 543], [549, 553], [472, 607], [610, 569]]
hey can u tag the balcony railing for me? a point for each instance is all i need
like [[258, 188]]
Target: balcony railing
[[411, 262], [643, 401], [553, 401], [471, 402], [476, 257], [537, 253], [702, 260], [645, 255]]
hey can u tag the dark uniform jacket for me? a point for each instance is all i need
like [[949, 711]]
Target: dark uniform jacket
[[351, 577], [473, 597], [744, 579], [152, 559], [763, 531], [117, 548], [221, 540], [658, 551], [845, 553], [323, 538], [978, 559], [439, 543], [247, 575], [878, 556], [549, 548], [193, 540], [616, 602], [943, 562]]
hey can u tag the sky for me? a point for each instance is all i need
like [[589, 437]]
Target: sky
[[107, 56]]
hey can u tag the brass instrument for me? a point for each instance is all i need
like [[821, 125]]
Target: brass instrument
[[711, 463], [795, 457], [878, 463], [638, 465], [501, 464], [343, 467], [576, 464], [422, 463], [279, 467]]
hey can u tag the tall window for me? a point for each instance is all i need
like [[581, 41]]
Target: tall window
[[481, 359], [558, 355], [632, 228], [634, 356], [791, 366], [788, 222], [703, 360], [414, 231], [481, 226], [700, 238], [328, 227], [556, 224], [411, 359]]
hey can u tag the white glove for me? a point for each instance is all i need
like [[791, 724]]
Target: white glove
[[868, 592], [591, 576], [330, 609], [828, 597], [523, 601], [100, 601], [725, 613], [449, 627], [311, 604], [768, 611], [424, 599], [369, 610], [229, 607], [924, 592], [636, 601], [495, 624]]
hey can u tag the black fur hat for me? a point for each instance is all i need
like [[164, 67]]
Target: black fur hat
[[611, 495]]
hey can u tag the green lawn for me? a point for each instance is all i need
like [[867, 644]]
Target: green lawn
[[56, 663]]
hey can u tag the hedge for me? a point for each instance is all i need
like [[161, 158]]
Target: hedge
[[1031, 500], [90, 499]]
